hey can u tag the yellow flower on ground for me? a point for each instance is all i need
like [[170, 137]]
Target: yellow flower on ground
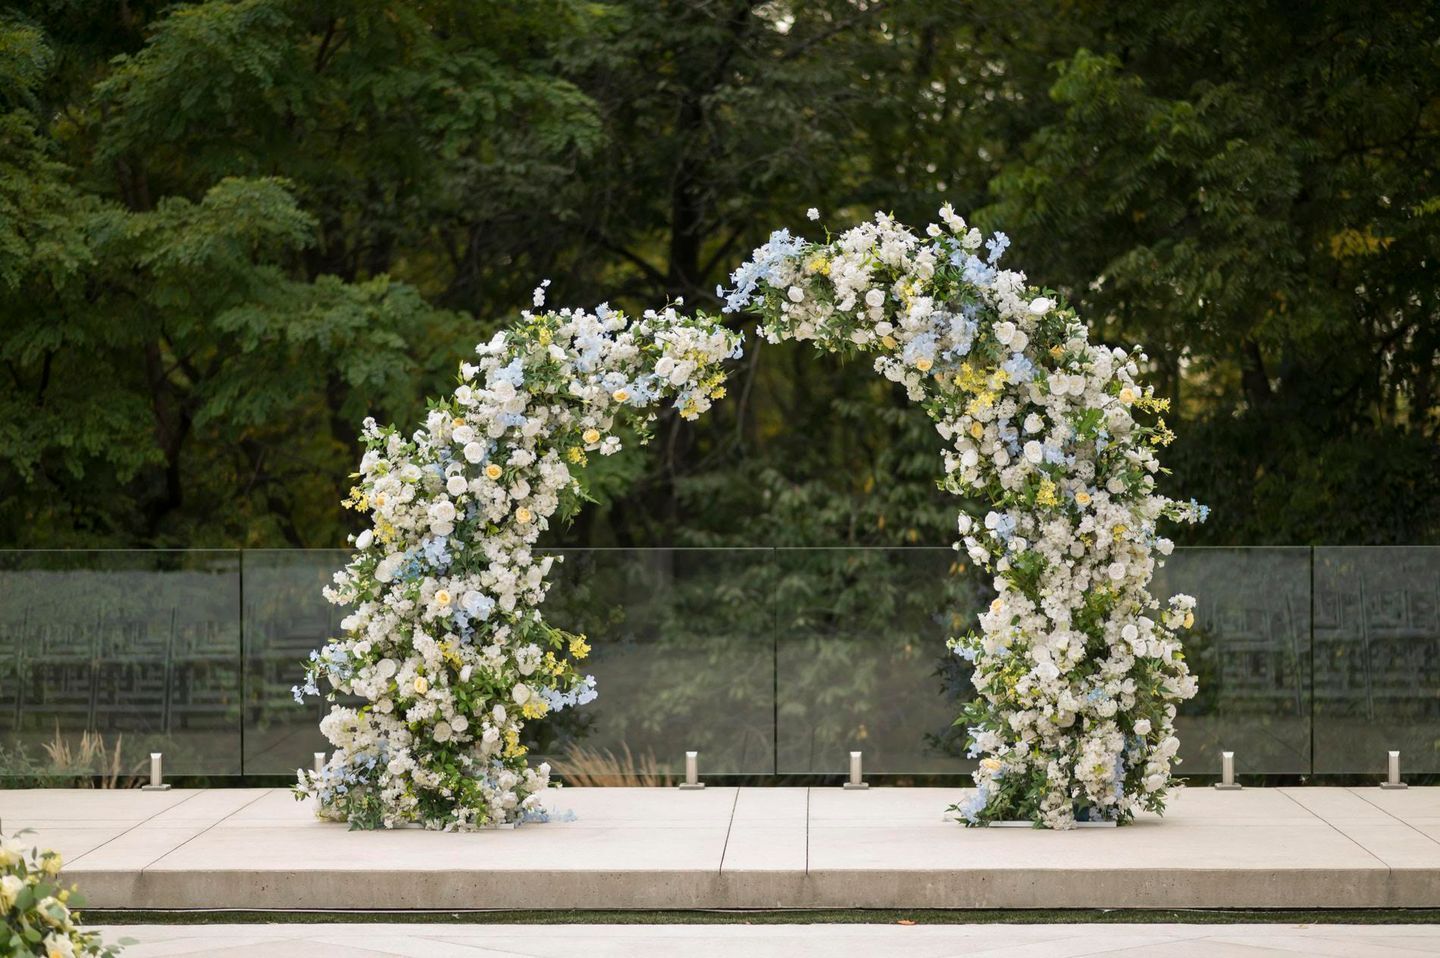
[[492, 472], [592, 436]]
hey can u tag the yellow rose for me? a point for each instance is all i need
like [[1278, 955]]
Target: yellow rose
[[997, 605], [492, 472], [422, 685], [620, 395], [523, 515], [442, 597], [977, 429], [592, 436], [458, 423], [888, 342], [1082, 498], [1189, 619], [50, 863], [1127, 395], [923, 364]]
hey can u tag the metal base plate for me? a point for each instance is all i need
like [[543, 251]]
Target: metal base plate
[[1221, 786], [1393, 785], [154, 788], [856, 786], [690, 786]]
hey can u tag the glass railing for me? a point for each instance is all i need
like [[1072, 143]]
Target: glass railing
[[767, 661]]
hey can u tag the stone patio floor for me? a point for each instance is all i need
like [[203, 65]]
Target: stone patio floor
[[632, 848]]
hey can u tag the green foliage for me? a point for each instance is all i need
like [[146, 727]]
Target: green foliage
[[230, 230]]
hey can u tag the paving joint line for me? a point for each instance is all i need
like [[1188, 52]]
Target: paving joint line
[[729, 828], [1386, 811], [145, 821], [1389, 870], [165, 854]]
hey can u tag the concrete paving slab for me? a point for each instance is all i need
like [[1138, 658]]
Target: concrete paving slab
[[729, 848], [777, 941], [86, 804]]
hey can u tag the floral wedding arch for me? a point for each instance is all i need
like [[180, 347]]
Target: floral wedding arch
[[1079, 671]]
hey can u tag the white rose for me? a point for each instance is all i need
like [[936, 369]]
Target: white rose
[[442, 732], [1116, 571], [1142, 727], [10, 888], [875, 298], [1040, 306], [521, 694], [464, 434], [1034, 452], [456, 485], [795, 293], [474, 452], [363, 540]]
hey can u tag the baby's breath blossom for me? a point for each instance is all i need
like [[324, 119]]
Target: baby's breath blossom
[[1079, 671], [444, 639]]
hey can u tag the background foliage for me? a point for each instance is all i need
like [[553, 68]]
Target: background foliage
[[230, 230]]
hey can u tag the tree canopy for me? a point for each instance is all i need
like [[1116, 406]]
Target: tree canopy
[[231, 230]]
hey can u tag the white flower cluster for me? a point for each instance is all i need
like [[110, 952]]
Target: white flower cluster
[[1078, 669], [445, 641], [39, 915]]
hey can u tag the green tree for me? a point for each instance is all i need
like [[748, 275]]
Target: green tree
[[1251, 191]]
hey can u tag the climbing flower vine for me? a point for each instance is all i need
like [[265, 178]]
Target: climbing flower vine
[[444, 642], [1078, 669]]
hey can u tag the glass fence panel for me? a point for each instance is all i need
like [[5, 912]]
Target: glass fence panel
[[683, 657], [286, 617], [1250, 651], [861, 658], [106, 656], [1377, 658]]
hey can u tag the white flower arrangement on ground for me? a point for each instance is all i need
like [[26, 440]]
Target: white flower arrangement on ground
[[445, 640], [1078, 669], [37, 908]]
